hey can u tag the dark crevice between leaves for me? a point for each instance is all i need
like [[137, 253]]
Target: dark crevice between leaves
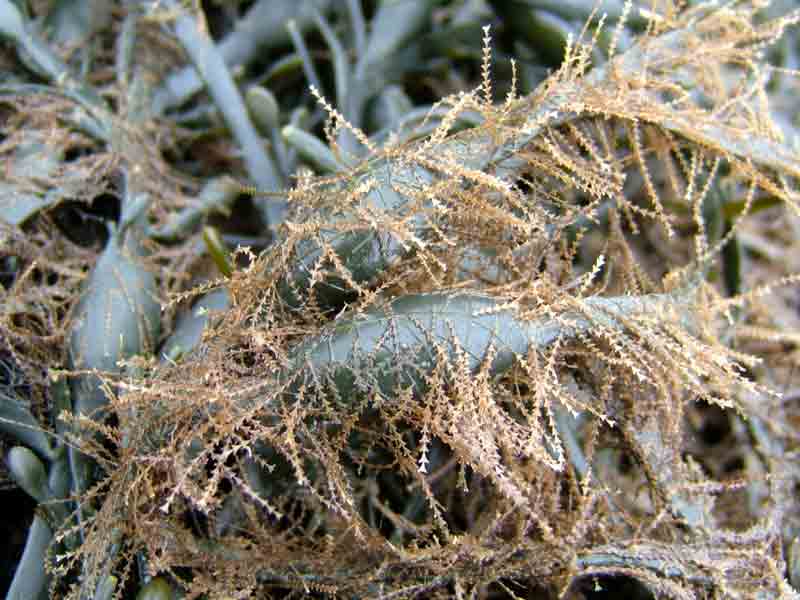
[[86, 224]]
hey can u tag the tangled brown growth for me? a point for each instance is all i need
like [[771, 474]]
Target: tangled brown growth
[[461, 372]]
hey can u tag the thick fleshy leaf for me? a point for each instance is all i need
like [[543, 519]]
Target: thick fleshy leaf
[[118, 316], [263, 27], [191, 323], [18, 202], [29, 473], [17, 420], [30, 579], [471, 322], [42, 59], [17, 206], [74, 21], [217, 196]]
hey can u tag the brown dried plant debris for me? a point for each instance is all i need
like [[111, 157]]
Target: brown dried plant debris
[[475, 398]]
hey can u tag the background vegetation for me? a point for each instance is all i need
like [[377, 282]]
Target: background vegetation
[[400, 299]]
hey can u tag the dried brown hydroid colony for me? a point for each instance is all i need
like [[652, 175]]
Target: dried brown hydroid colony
[[463, 372]]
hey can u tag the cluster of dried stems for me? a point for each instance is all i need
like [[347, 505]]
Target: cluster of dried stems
[[465, 372]]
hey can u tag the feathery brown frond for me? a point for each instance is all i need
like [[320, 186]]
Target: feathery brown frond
[[435, 378]]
